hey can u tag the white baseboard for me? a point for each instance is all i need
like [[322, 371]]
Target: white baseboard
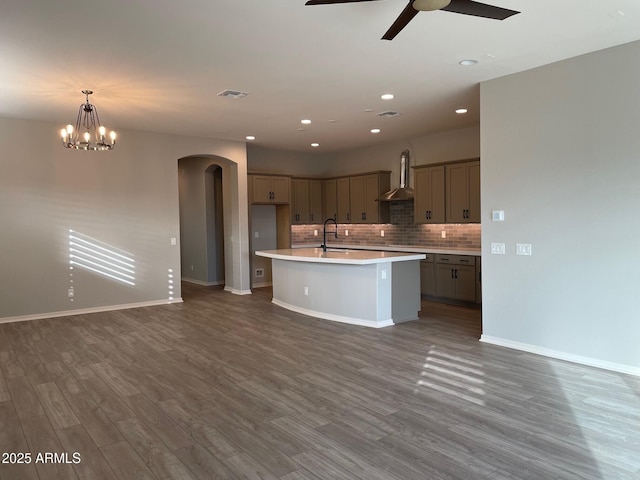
[[83, 311], [200, 282], [547, 352], [237, 292], [264, 284], [334, 318]]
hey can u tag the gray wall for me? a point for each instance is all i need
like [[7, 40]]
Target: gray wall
[[561, 157], [125, 200]]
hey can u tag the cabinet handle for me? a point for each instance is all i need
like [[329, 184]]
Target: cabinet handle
[[456, 270], [348, 216], [452, 273]]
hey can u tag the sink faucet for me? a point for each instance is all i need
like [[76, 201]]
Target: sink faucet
[[324, 232]]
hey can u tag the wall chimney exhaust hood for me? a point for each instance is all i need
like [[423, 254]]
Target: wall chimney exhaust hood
[[403, 192]]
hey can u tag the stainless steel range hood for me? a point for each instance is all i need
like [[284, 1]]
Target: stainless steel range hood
[[403, 192]]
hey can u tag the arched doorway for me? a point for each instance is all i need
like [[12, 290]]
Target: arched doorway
[[207, 187]]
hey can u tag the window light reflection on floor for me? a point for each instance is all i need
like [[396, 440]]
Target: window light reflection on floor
[[453, 375]]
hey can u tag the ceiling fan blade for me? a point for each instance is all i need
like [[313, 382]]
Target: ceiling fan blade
[[329, 2], [403, 19], [477, 9]]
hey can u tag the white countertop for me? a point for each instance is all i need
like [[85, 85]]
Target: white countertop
[[399, 248], [341, 256]]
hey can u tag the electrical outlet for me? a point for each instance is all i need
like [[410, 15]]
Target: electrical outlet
[[382, 233], [346, 233], [523, 249], [315, 233], [256, 235], [443, 234], [498, 249], [173, 241], [259, 272], [383, 274], [306, 291]]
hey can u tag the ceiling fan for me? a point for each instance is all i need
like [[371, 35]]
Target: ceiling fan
[[466, 7]]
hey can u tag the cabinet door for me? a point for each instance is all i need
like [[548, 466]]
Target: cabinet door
[[465, 277], [427, 278], [457, 193], [315, 201], [261, 189], [445, 281], [280, 189], [429, 197], [299, 201], [369, 200], [474, 192], [342, 200], [330, 199], [356, 199]]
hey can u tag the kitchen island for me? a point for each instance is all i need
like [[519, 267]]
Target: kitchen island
[[361, 287]]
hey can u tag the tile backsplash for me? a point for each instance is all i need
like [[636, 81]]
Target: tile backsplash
[[401, 231]]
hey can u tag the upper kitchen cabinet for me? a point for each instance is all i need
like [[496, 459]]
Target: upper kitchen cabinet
[[306, 201], [330, 198], [463, 192], [299, 201], [429, 199], [270, 189], [342, 200], [364, 192]]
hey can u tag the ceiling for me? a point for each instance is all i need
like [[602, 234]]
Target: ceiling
[[158, 65]]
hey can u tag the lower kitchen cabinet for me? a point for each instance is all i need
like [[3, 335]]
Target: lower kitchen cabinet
[[428, 276], [455, 277]]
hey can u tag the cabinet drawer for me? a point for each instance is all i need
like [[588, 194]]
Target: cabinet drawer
[[455, 259]]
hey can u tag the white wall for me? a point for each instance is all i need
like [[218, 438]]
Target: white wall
[[126, 199], [561, 156]]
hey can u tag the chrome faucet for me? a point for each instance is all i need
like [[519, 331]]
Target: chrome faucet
[[324, 232]]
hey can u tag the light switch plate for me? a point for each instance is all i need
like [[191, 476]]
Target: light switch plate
[[497, 215], [498, 249], [523, 249]]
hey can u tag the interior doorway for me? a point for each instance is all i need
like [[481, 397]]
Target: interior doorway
[[202, 220]]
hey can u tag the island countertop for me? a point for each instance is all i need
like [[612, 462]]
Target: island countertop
[[339, 255]]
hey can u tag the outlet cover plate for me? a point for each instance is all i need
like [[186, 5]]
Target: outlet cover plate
[[498, 249]]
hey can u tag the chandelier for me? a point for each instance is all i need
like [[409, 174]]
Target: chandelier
[[94, 134]]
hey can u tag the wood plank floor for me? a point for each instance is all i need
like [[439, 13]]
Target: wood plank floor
[[233, 387]]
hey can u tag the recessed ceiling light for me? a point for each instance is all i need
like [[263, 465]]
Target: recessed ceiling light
[[467, 62], [250, 137], [387, 96], [306, 121], [332, 121], [461, 110], [375, 130], [315, 145], [368, 110]]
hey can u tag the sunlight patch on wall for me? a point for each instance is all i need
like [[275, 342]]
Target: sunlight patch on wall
[[453, 375], [100, 258], [170, 283]]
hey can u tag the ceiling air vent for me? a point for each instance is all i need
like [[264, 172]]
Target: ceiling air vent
[[388, 114], [232, 94]]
